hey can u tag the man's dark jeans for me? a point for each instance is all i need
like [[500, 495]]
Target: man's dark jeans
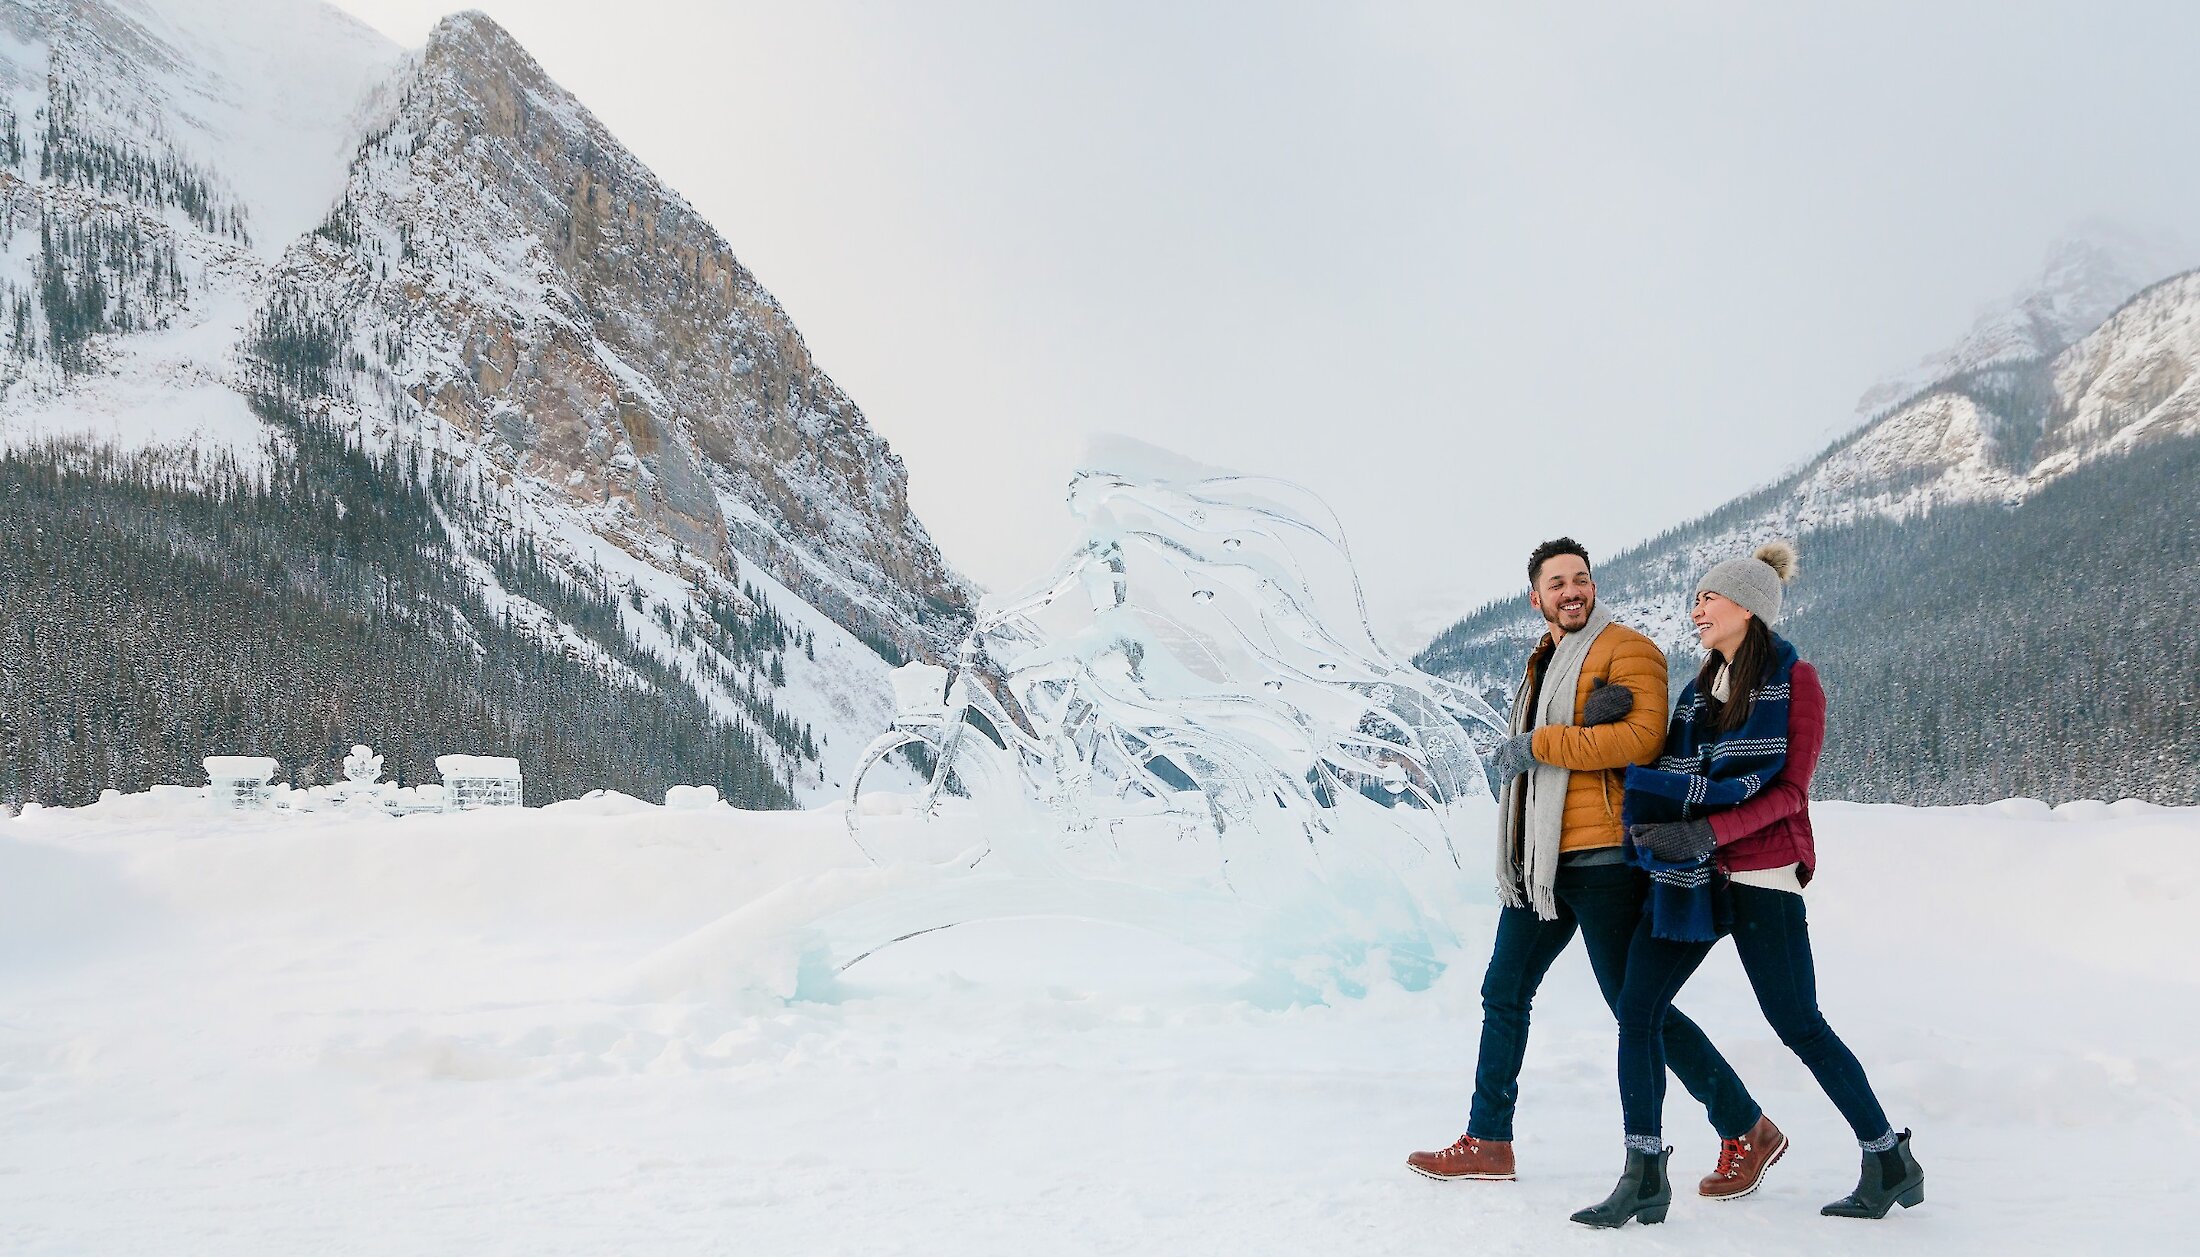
[[1773, 942], [1602, 902]]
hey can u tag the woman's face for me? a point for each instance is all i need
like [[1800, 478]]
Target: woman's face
[[1720, 623]]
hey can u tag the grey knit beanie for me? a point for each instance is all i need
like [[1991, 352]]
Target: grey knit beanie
[[1754, 582]]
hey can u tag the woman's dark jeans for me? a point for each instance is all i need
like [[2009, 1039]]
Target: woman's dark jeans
[[1603, 902], [1773, 941]]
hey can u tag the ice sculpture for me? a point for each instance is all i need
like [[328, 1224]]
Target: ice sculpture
[[239, 782], [363, 786], [1188, 726]]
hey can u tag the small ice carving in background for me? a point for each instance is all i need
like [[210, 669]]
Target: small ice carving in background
[[239, 782], [363, 768], [363, 788], [1187, 726]]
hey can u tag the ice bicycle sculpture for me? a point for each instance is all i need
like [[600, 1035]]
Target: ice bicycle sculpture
[[1187, 727]]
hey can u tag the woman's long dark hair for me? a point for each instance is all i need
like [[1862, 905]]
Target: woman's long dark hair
[[1744, 674]]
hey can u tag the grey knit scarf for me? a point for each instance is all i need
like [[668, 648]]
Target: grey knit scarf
[[1531, 809]]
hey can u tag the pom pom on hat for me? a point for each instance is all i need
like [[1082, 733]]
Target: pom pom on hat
[[1780, 557]]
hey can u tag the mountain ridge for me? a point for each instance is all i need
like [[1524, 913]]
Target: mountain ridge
[[1995, 436]]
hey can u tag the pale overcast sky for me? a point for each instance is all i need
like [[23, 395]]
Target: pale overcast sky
[[1477, 275]]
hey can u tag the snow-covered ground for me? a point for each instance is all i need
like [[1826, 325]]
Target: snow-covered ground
[[329, 1034]]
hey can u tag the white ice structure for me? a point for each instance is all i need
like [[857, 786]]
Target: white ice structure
[[238, 781], [471, 781], [362, 788], [1188, 727], [363, 768]]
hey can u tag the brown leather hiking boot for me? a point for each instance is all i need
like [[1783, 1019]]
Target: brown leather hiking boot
[[1469, 1158], [1743, 1162]]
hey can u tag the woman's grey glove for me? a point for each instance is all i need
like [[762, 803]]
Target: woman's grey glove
[[1676, 842], [1513, 756], [1606, 703]]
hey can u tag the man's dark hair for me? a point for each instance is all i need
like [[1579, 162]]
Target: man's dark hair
[[1551, 550]]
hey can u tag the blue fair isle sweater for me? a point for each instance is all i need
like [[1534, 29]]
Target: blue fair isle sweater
[[1704, 771]]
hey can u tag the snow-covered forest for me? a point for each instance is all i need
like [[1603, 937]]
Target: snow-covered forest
[[161, 614]]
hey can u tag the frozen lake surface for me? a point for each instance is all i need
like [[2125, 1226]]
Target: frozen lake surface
[[445, 1034]]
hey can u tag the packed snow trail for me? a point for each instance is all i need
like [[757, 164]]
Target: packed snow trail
[[248, 1035]]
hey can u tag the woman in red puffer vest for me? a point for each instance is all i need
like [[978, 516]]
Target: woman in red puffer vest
[[1764, 854]]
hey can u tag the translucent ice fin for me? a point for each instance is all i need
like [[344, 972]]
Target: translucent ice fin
[[1194, 703]]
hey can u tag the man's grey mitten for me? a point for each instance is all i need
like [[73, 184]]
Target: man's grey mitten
[[1676, 842], [1606, 703], [1513, 756]]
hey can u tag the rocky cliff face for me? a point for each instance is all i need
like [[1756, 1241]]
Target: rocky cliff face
[[2135, 379], [499, 265]]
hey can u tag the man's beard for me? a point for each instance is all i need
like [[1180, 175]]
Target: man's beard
[[1588, 609]]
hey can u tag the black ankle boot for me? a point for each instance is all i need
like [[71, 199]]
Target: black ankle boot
[[1644, 1192], [1888, 1179]]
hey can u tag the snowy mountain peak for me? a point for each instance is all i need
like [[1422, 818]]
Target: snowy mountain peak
[[499, 268], [473, 33], [2088, 272]]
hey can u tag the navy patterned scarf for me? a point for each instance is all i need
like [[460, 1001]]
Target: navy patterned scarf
[[1704, 771]]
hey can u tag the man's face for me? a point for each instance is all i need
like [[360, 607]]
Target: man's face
[[1563, 592]]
